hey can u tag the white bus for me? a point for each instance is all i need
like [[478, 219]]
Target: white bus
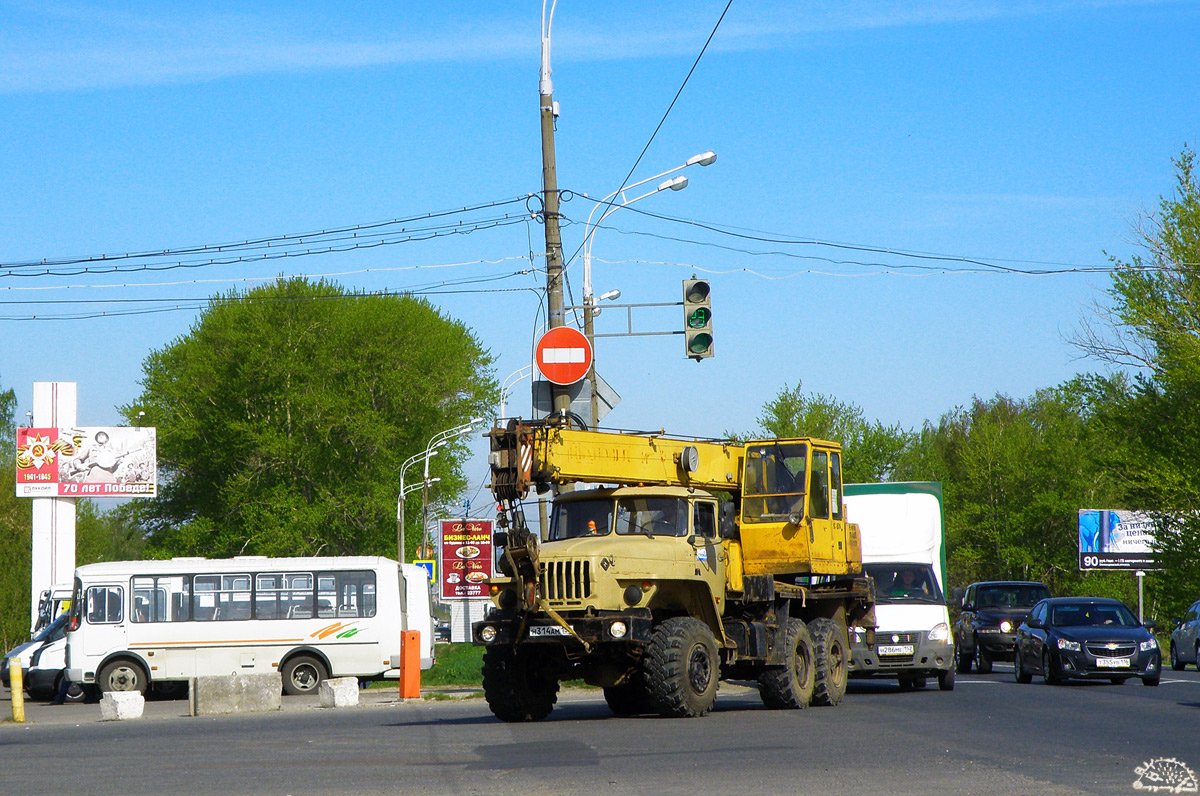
[[134, 624]]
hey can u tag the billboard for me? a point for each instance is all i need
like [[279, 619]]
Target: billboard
[[1114, 539], [87, 461], [467, 555]]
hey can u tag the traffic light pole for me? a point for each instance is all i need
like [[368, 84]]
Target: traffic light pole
[[554, 256]]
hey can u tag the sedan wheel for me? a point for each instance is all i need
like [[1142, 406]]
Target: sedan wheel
[[1176, 664], [1023, 677], [1051, 676]]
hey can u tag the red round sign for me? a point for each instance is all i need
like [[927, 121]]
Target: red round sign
[[564, 355]]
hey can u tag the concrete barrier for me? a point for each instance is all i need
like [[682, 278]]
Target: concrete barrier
[[235, 693], [339, 692], [121, 705]]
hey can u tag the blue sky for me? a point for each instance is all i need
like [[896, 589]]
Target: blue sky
[[1019, 133]]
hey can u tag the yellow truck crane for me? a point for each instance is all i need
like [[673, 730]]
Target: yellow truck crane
[[691, 562]]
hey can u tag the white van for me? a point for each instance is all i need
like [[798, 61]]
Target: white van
[[904, 551]]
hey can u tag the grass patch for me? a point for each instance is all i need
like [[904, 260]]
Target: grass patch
[[457, 665]]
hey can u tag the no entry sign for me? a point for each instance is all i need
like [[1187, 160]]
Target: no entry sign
[[564, 355]]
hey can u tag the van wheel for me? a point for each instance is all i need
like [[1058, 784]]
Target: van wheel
[[830, 647], [946, 680], [302, 674], [122, 676]]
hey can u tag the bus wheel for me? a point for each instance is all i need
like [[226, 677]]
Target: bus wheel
[[122, 676], [302, 674]]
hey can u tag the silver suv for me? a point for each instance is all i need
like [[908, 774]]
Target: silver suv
[[1185, 639]]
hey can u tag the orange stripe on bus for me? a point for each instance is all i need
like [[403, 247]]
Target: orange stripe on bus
[[223, 642]]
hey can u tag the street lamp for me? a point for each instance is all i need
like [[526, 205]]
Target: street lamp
[[677, 183], [512, 378], [438, 440]]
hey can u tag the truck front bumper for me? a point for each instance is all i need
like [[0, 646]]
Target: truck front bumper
[[897, 654], [608, 628]]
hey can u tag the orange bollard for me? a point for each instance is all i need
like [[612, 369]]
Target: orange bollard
[[410, 664]]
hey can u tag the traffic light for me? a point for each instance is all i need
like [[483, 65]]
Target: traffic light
[[697, 319]]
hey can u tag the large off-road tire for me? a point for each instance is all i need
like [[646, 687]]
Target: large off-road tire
[[629, 698], [681, 668], [831, 651], [791, 686], [122, 675], [962, 662], [302, 675], [983, 662], [517, 685], [1176, 664]]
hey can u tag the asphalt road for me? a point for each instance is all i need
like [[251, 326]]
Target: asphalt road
[[989, 736]]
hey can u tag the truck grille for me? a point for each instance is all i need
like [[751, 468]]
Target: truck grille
[[565, 580]]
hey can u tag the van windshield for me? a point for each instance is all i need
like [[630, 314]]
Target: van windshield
[[904, 583]]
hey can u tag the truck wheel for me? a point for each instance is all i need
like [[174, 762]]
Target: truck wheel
[[983, 662], [517, 686], [962, 662], [629, 698], [791, 686], [681, 668], [830, 645]]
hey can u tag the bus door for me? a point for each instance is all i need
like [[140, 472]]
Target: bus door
[[104, 619]]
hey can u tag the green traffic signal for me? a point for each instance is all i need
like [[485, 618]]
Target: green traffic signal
[[697, 318]]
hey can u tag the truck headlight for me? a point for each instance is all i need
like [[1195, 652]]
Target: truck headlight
[[940, 632], [487, 634], [1147, 646], [618, 629], [1063, 644]]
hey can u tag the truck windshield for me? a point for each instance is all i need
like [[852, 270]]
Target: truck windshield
[[904, 583], [652, 516], [773, 487], [576, 518]]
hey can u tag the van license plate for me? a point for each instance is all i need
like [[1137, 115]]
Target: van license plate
[[548, 630], [1112, 663], [896, 649]]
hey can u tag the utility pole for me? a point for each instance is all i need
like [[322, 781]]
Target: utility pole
[[554, 256]]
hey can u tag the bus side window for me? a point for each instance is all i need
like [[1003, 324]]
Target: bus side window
[[105, 604]]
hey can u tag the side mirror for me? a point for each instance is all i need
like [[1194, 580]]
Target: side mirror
[[1148, 624], [956, 595], [500, 538], [1035, 623], [728, 528]]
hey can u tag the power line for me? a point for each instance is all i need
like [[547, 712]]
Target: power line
[[285, 239]]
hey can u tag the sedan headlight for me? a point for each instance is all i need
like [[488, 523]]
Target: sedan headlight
[[1148, 646], [940, 632], [1063, 644], [1006, 626]]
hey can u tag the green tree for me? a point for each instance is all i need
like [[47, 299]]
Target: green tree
[[871, 449], [16, 522], [1014, 475], [1152, 324], [285, 412]]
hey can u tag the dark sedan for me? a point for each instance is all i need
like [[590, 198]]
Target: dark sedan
[[1085, 638]]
